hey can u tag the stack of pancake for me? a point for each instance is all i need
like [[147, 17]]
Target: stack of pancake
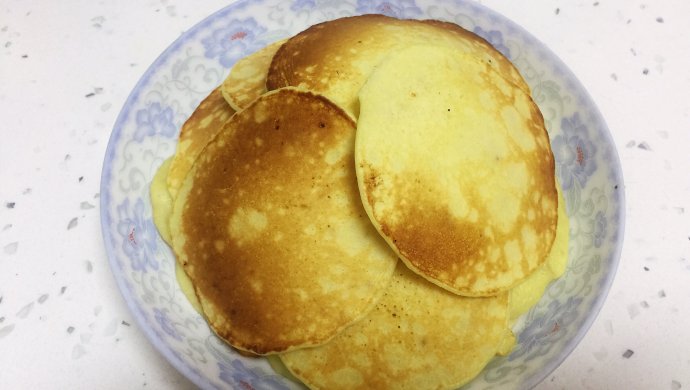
[[372, 200]]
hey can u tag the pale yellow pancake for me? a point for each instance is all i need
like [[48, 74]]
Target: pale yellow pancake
[[271, 230], [247, 78], [335, 58], [161, 201], [455, 170], [204, 123], [418, 337]]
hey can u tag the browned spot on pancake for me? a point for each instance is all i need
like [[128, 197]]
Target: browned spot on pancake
[[372, 181], [443, 236]]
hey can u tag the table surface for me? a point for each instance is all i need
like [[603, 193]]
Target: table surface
[[67, 67]]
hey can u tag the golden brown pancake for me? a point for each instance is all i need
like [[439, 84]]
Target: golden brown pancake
[[247, 78], [204, 123], [335, 58], [270, 227], [419, 336], [455, 170]]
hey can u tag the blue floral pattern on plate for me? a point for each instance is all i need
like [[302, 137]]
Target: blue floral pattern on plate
[[599, 229], [574, 153], [402, 9], [144, 135], [166, 323], [300, 5], [240, 376], [536, 338], [232, 41], [138, 235], [154, 120]]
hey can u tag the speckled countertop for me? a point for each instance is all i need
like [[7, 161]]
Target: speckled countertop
[[67, 67]]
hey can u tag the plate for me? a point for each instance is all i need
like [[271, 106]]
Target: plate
[[145, 134]]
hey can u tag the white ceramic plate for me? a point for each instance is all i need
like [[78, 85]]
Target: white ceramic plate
[[145, 134]]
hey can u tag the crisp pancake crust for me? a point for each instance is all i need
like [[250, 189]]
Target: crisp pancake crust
[[247, 78], [204, 123], [335, 58], [419, 336], [455, 170], [270, 227]]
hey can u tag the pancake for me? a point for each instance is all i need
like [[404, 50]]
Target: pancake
[[419, 336], [204, 123], [335, 58], [270, 227], [247, 78], [161, 201], [455, 170]]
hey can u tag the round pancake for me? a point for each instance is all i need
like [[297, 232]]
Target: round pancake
[[247, 78], [204, 123], [419, 336], [270, 227], [335, 58], [455, 170]]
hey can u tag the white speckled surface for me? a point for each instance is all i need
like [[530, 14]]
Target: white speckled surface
[[66, 69]]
